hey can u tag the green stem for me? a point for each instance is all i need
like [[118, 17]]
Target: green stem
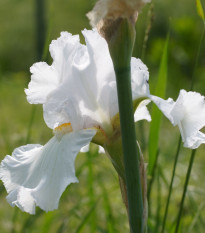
[[121, 49], [91, 193], [197, 57], [159, 203], [152, 176], [14, 217], [185, 189], [130, 153], [150, 16], [171, 185], [33, 111], [40, 26]]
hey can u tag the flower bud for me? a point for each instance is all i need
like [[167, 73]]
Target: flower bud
[[114, 9]]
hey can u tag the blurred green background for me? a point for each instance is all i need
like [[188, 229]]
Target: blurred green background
[[95, 205]]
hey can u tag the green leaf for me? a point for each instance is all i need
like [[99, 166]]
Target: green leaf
[[156, 114], [199, 9]]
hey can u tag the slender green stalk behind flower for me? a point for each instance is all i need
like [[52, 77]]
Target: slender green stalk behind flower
[[79, 98]]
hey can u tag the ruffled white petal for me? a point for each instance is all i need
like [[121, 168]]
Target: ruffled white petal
[[84, 96], [165, 106], [62, 51], [139, 79], [37, 175], [80, 86], [142, 112], [188, 112], [45, 78]]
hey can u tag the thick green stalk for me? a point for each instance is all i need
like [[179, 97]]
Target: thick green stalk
[[185, 189], [121, 49]]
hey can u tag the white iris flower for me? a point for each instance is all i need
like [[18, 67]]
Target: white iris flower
[[188, 112], [79, 98]]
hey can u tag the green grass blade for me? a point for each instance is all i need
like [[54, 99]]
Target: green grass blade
[[91, 192], [152, 177], [193, 203], [150, 16], [108, 210], [163, 177], [30, 221], [40, 26], [156, 114], [200, 9], [48, 221], [197, 215], [86, 218], [62, 227], [185, 190], [31, 120], [159, 203], [14, 217], [171, 186]]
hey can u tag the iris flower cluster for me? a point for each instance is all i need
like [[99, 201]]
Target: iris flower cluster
[[79, 98]]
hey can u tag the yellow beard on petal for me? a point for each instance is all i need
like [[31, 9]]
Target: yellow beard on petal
[[62, 130]]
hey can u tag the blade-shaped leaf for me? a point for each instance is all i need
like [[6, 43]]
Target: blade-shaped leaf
[[156, 114], [200, 9]]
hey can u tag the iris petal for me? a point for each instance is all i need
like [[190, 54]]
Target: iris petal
[[80, 86], [37, 175], [142, 112], [188, 112]]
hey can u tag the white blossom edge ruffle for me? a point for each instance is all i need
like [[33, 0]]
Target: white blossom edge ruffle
[[188, 112], [80, 86], [37, 175]]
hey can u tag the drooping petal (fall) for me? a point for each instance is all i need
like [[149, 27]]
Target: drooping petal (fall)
[[37, 175], [188, 112]]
